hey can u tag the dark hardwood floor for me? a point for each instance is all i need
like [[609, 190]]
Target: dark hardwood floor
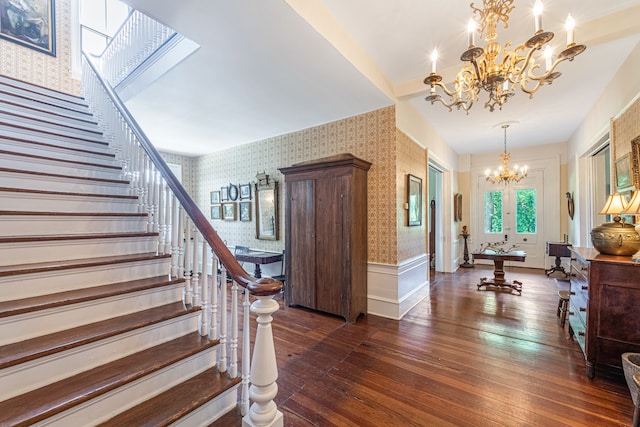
[[462, 357]]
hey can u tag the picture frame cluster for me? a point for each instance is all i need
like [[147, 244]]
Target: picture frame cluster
[[232, 203]]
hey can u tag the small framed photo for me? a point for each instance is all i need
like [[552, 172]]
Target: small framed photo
[[414, 199], [245, 211], [224, 193], [229, 211], [216, 212], [215, 197], [245, 191]]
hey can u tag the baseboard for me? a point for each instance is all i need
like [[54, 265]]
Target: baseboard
[[393, 290]]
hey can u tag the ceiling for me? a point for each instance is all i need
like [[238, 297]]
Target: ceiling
[[270, 67]]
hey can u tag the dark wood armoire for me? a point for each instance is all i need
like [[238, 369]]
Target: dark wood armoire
[[326, 235]]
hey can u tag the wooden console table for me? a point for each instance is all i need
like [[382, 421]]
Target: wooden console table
[[498, 268], [259, 258]]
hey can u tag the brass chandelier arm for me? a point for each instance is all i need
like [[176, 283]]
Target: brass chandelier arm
[[498, 69]]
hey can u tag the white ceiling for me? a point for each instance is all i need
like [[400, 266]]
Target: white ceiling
[[263, 70]]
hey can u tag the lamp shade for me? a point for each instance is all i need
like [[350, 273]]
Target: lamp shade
[[615, 204], [633, 208]]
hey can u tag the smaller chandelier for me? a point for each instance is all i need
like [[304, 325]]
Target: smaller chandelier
[[503, 174], [499, 76]]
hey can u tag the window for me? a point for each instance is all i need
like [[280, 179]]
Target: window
[[526, 211], [100, 20], [493, 212]]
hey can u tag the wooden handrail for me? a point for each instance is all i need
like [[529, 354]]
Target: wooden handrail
[[260, 287]]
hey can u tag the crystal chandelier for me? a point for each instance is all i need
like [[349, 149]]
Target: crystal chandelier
[[503, 174], [517, 67]]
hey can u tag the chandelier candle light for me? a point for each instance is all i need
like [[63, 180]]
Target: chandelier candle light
[[503, 174], [516, 67]]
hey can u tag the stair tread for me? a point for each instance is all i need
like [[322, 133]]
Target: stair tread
[[55, 159], [171, 405], [75, 214], [51, 133], [22, 351], [51, 144], [66, 193], [48, 112], [58, 175], [42, 302], [84, 236], [42, 90], [54, 398], [60, 124], [12, 270]]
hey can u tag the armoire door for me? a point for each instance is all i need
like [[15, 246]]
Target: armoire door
[[301, 267], [332, 260]]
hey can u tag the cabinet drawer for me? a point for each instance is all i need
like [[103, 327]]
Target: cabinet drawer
[[579, 331], [578, 306]]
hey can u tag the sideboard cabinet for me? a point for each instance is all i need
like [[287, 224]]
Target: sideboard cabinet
[[604, 307], [326, 235]]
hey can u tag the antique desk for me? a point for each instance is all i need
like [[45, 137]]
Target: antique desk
[[558, 250], [498, 268], [259, 258]]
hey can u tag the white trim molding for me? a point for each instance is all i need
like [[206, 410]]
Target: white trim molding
[[393, 290]]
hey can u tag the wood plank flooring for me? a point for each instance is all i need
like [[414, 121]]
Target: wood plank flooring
[[462, 357]]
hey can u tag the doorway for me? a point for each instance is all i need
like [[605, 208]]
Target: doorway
[[513, 214], [435, 220]]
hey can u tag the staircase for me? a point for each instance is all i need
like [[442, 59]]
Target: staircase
[[93, 327]]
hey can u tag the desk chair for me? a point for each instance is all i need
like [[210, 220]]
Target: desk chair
[[282, 277]]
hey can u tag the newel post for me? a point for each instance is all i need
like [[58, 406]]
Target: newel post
[[264, 369]]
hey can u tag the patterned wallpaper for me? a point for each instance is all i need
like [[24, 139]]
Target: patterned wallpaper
[[29, 65], [370, 136], [188, 170], [412, 159], [623, 130]]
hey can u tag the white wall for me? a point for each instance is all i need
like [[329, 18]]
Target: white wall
[[620, 92]]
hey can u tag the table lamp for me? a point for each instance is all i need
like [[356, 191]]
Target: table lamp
[[634, 209], [617, 237]]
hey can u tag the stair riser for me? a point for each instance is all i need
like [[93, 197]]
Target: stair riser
[[57, 153], [71, 144], [34, 284], [38, 182], [45, 251], [17, 201], [14, 161], [50, 124], [20, 225], [105, 407], [45, 322], [210, 411], [83, 121], [57, 136], [49, 369], [56, 100], [71, 112]]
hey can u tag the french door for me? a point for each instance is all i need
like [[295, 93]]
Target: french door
[[514, 214]]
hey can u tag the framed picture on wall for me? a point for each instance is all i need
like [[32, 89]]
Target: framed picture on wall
[[245, 191], [229, 211], [215, 197], [623, 174], [216, 212], [30, 23], [245, 211], [414, 199], [224, 193]]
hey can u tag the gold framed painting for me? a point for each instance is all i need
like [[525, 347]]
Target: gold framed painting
[[30, 23]]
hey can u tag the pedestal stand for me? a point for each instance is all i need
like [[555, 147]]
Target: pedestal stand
[[466, 263]]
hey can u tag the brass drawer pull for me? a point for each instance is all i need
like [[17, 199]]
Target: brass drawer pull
[[585, 288], [581, 333], [583, 308]]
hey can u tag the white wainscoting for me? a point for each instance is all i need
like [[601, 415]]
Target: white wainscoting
[[393, 290]]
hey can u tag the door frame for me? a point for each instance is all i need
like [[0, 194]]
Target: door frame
[[550, 166]]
